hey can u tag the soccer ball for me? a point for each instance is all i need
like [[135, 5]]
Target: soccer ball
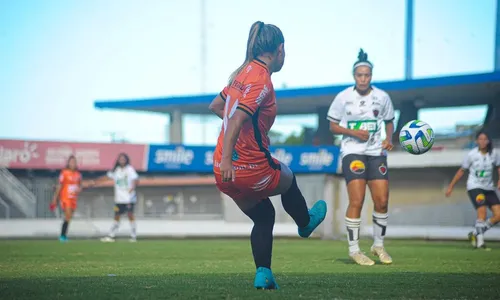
[[416, 137]]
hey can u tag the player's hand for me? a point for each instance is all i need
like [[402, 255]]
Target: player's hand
[[449, 191], [131, 190], [53, 205], [363, 135], [226, 170], [387, 145]]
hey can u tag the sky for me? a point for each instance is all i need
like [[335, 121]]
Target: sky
[[57, 57]]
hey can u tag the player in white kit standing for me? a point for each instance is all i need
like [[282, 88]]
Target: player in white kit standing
[[360, 113], [481, 163], [125, 180]]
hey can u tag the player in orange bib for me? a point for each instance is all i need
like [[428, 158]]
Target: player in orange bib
[[67, 190], [243, 166]]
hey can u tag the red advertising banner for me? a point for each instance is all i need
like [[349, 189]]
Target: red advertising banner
[[23, 154]]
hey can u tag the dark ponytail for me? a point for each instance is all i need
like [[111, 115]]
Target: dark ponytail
[[263, 38], [252, 37]]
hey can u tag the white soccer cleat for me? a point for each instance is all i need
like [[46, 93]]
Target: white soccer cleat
[[361, 259], [107, 239], [382, 255], [133, 240]]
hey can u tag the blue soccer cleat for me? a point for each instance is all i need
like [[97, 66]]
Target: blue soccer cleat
[[317, 214], [63, 239], [264, 280]]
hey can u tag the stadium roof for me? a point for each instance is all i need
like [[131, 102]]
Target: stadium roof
[[429, 92]]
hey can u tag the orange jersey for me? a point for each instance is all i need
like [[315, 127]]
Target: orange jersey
[[70, 184], [251, 92]]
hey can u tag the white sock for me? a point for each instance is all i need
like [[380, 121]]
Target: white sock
[[488, 224], [353, 234], [133, 227], [480, 228], [114, 229], [379, 227]]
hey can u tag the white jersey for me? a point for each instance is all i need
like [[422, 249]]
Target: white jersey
[[481, 168], [124, 179], [357, 112]]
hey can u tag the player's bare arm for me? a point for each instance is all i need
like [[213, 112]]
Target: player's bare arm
[[217, 106], [56, 194], [460, 173], [498, 171], [234, 125], [389, 130], [134, 184]]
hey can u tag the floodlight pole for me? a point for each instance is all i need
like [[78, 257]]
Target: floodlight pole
[[203, 61], [497, 37], [409, 40]]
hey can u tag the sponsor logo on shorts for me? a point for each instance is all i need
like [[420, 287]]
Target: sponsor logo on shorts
[[357, 167], [382, 169], [235, 156], [480, 198]]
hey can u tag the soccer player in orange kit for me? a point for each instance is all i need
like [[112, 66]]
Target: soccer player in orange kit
[[243, 166], [67, 190]]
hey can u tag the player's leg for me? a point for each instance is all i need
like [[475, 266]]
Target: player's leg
[[354, 170], [378, 183], [118, 209], [262, 213], [494, 204], [263, 217], [478, 199], [68, 214], [295, 204], [491, 200], [133, 224]]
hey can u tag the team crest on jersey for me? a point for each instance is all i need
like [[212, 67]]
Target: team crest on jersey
[[375, 112], [357, 167], [480, 198], [382, 169]]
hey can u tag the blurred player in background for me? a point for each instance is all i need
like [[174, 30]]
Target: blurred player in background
[[481, 163], [243, 166], [125, 180], [359, 113], [67, 190]]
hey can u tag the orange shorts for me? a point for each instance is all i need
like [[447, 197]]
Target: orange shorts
[[255, 184], [68, 203]]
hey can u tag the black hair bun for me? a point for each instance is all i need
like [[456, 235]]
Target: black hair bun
[[362, 56]]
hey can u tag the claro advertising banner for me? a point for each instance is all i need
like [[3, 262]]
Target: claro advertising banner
[[26, 154]]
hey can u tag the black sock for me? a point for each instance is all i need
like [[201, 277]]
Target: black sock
[[64, 228], [295, 205], [263, 216]]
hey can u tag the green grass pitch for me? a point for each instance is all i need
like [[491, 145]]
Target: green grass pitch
[[223, 269]]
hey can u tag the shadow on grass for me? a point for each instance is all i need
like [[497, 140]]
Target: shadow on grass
[[397, 285]]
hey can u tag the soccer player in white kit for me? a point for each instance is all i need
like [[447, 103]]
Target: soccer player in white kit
[[481, 163], [125, 180], [360, 113]]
